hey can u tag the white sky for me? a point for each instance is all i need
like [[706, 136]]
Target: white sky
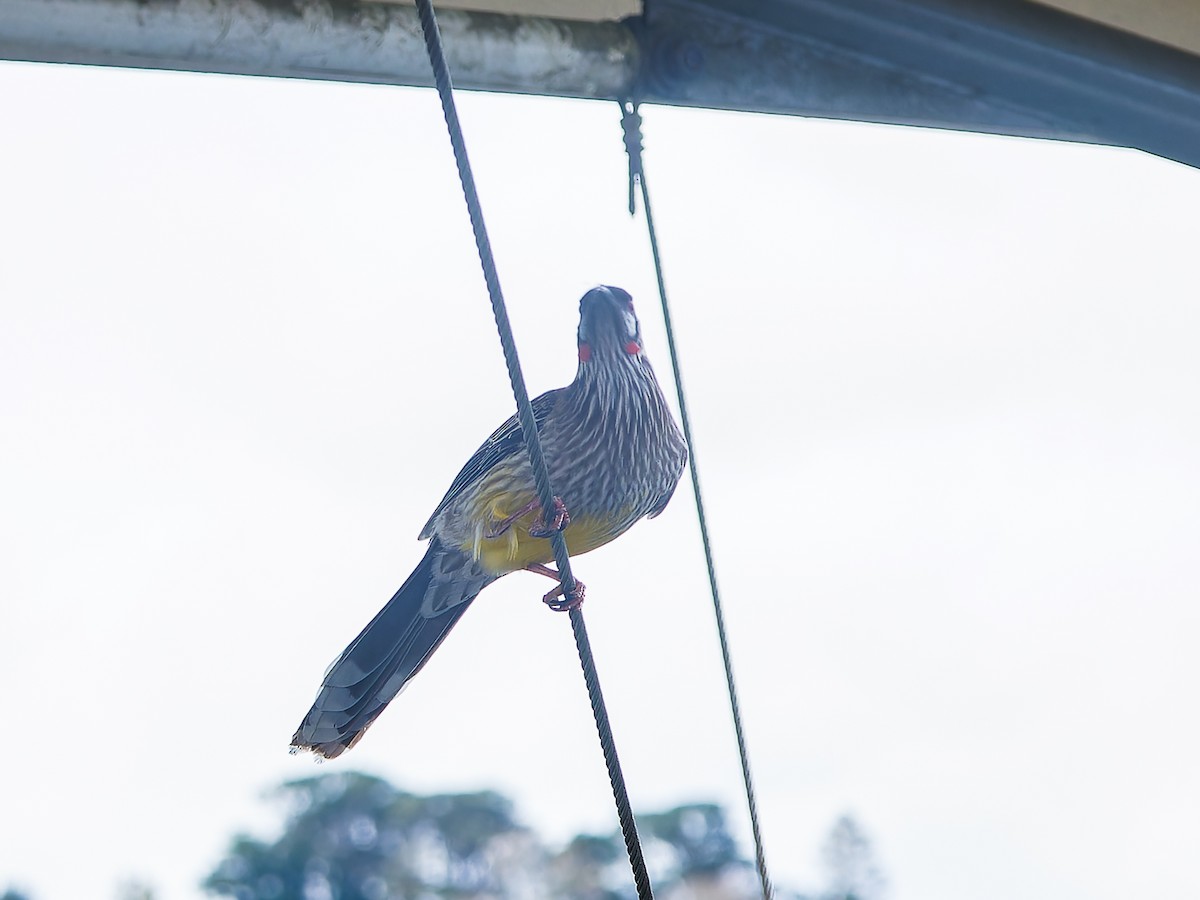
[[945, 395]]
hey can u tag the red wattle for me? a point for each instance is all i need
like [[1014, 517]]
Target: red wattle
[[585, 352], [632, 348]]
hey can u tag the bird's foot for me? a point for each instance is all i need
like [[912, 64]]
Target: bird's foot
[[557, 599], [506, 523], [558, 521], [560, 601]]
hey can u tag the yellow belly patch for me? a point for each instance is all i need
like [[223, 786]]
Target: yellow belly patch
[[515, 548]]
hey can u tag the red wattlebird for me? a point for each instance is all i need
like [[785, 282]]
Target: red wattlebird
[[615, 455]]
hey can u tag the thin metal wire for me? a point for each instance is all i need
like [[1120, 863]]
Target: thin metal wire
[[441, 76], [631, 126]]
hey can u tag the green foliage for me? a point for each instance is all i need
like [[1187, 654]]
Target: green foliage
[[355, 837], [590, 867], [698, 838]]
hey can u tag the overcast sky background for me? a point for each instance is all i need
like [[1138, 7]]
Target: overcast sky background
[[945, 397]]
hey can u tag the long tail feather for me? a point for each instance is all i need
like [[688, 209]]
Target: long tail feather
[[381, 660]]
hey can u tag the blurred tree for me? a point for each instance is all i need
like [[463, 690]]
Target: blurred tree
[[854, 873], [133, 889], [698, 837], [13, 894], [590, 868], [693, 855], [355, 837]]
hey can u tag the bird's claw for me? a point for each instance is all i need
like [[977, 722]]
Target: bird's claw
[[560, 601], [558, 521], [557, 599], [504, 524]]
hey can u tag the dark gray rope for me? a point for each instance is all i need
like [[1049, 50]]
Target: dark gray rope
[[541, 477], [631, 125]]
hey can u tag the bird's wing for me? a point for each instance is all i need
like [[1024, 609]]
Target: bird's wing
[[503, 443], [662, 502]]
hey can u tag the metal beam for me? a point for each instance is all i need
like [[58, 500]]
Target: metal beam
[[332, 41], [1003, 66]]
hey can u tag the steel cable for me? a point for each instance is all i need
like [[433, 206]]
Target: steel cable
[[631, 126], [441, 77]]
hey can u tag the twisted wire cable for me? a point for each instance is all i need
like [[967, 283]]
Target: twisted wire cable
[[441, 76], [631, 124]]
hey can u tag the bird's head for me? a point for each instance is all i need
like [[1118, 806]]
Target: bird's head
[[608, 328]]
